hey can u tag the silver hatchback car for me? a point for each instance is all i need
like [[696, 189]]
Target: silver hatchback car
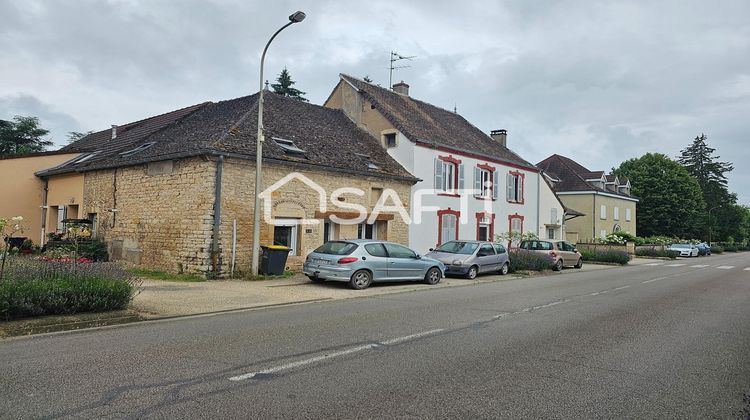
[[469, 258], [362, 262]]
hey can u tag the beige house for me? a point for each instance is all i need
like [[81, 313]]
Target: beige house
[[596, 204], [180, 198], [22, 193]]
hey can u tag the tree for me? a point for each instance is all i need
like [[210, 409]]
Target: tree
[[22, 135], [283, 86], [74, 136], [671, 202]]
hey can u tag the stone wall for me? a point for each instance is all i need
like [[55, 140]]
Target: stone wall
[[163, 221], [164, 212]]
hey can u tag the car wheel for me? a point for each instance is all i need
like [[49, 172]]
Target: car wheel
[[361, 280], [315, 279], [433, 276], [579, 264], [504, 269], [472, 273], [558, 265]]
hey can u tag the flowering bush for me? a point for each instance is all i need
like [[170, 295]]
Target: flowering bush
[[69, 260], [523, 260], [8, 228]]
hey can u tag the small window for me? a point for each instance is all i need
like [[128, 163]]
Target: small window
[[514, 191], [285, 234], [399, 251], [617, 213], [390, 140], [376, 250], [603, 212], [288, 146], [550, 233], [627, 215], [553, 216], [329, 231], [367, 231], [140, 148]]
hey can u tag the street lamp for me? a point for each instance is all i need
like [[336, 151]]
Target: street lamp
[[295, 17], [710, 227]]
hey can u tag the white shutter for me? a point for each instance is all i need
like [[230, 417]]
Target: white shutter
[[627, 215], [461, 177], [617, 213], [510, 190], [477, 182], [603, 212], [495, 183], [438, 174], [519, 180]]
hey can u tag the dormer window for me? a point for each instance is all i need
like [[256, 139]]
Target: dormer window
[[288, 146], [137, 149], [390, 140]]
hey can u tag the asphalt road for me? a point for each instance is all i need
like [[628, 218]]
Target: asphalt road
[[645, 341]]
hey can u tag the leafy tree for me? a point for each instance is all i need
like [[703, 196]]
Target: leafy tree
[[22, 135], [283, 86], [671, 202], [74, 136]]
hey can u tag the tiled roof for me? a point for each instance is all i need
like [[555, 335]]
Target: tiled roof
[[572, 176], [329, 140], [423, 122]]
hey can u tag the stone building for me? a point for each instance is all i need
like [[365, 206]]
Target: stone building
[[180, 198]]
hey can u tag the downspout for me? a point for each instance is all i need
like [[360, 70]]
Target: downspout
[[215, 250], [42, 241], [114, 199], [593, 214], [538, 204]]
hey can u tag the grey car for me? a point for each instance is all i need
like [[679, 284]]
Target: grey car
[[362, 262], [470, 258]]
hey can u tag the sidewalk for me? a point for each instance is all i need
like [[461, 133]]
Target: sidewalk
[[166, 298]]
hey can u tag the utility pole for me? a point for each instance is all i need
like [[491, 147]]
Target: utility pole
[[396, 57]]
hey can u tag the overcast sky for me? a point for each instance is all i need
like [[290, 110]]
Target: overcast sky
[[599, 82]]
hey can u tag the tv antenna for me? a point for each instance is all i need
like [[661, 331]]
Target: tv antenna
[[396, 57]]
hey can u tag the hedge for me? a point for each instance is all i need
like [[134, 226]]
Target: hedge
[[618, 257], [650, 252], [521, 260]]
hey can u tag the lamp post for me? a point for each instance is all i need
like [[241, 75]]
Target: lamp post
[[295, 17], [710, 227]]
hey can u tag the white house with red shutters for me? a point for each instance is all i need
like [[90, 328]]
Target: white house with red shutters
[[472, 186]]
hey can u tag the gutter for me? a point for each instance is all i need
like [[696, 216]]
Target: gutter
[[215, 248], [42, 241]]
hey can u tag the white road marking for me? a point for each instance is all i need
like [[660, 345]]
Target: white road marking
[[747, 269], [725, 267], [332, 355], [654, 264], [653, 280], [675, 265], [700, 266], [620, 288]]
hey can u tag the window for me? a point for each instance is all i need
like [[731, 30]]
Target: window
[[288, 146], [94, 223], [376, 250], [515, 187], [367, 231], [449, 175], [389, 139], [329, 231], [553, 216], [88, 156], [485, 182], [515, 226], [485, 226], [603, 212], [627, 215], [62, 213], [285, 234], [499, 248], [140, 148], [399, 251], [486, 250], [447, 225], [617, 213], [550, 233]]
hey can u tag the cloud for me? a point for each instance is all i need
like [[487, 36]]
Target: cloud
[[58, 123], [601, 82]]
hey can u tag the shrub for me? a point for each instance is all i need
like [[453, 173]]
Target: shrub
[[731, 248], [650, 252], [95, 250], [618, 257], [716, 249], [521, 260], [35, 288]]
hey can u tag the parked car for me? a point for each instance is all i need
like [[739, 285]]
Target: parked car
[[362, 262], [562, 253], [703, 248], [685, 250], [469, 258]]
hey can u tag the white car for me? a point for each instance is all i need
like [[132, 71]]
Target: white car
[[685, 250]]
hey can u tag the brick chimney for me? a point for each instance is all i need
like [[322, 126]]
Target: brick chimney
[[401, 88], [500, 136], [114, 131]]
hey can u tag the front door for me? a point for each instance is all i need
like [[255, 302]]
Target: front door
[[402, 263], [487, 259]]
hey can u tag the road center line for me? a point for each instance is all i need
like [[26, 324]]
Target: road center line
[[725, 267], [316, 359], [700, 266], [747, 269], [652, 280], [620, 288], [675, 265]]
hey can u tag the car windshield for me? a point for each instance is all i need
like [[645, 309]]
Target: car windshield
[[458, 247], [681, 246], [336, 248]]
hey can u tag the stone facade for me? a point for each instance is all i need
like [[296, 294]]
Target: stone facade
[[164, 215]]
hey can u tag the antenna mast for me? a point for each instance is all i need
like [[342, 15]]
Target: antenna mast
[[396, 57]]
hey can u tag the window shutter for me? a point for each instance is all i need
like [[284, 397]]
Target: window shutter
[[438, 174], [460, 177], [495, 183], [520, 179], [510, 188], [477, 182]]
